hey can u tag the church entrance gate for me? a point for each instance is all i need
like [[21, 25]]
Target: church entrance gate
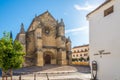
[[47, 59]]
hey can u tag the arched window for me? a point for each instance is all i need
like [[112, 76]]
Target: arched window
[[85, 50], [74, 51], [80, 54], [77, 55], [85, 54], [73, 55], [81, 50], [38, 35]]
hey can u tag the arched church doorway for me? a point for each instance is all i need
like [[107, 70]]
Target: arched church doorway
[[47, 59]]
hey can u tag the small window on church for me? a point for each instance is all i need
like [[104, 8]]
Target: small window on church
[[108, 11], [21, 39], [38, 35]]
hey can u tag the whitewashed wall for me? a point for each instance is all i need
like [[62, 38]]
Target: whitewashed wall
[[105, 35]]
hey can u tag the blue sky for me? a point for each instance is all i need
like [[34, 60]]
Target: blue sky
[[73, 12]]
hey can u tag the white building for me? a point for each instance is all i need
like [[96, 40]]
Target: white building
[[104, 44]]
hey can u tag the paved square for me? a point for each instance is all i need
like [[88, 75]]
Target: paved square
[[53, 72]]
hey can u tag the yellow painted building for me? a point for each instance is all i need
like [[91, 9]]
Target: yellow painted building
[[80, 54]]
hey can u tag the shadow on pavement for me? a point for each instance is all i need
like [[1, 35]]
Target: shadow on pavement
[[52, 68]]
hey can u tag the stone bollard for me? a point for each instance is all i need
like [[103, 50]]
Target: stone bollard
[[47, 76], [34, 76], [20, 77]]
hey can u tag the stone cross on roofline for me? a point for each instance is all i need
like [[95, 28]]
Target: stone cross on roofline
[[102, 52]]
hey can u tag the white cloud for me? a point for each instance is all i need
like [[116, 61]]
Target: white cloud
[[77, 29], [86, 7]]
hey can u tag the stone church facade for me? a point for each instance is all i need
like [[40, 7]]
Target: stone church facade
[[45, 42]]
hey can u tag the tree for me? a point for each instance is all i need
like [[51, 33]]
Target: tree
[[11, 54], [81, 59], [88, 58], [74, 59]]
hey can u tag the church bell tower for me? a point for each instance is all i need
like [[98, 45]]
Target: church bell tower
[[61, 43]]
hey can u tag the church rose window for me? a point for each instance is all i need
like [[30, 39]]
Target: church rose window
[[47, 31]]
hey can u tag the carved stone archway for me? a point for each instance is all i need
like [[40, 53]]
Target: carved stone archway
[[48, 57]]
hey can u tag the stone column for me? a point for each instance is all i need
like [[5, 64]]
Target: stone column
[[70, 58], [62, 57], [39, 58]]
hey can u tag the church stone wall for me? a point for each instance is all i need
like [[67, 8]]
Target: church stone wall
[[49, 41], [30, 43], [46, 42]]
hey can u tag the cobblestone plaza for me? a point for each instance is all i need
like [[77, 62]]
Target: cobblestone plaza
[[53, 72]]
